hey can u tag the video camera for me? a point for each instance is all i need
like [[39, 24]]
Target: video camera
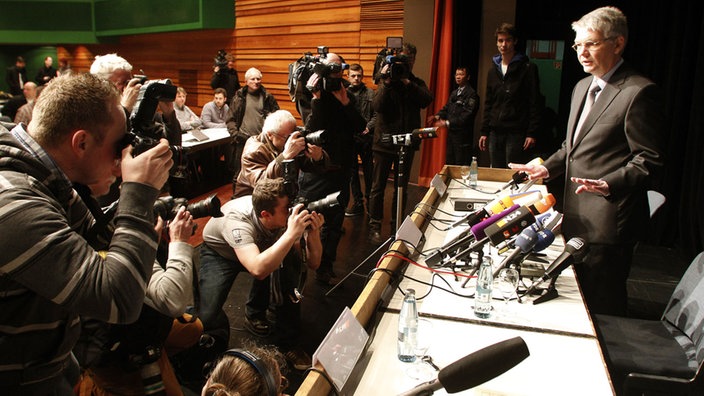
[[391, 55], [145, 133], [318, 66], [290, 177], [167, 207], [220, 59]]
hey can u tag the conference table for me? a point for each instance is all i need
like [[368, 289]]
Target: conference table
[[565, 357], [205, 169]]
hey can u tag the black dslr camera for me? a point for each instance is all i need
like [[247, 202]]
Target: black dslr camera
[[167, 207], [317, 138], [220, 59], [145, 132], [290, 177]]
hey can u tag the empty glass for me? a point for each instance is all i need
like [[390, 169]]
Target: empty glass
[[464, 172], [420, 370], [507, 282]]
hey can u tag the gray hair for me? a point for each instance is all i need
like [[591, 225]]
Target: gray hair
[[610, 21], [251, 72], [104, 65], [276, 120]]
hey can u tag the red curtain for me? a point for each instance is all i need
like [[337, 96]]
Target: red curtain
[[433, 150]]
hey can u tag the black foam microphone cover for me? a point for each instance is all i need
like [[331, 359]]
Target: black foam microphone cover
[[483, 365]]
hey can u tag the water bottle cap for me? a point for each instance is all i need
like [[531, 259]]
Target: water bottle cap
[[412, 291]]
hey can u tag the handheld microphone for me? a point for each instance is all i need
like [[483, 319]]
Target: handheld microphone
[[517, 220], [490, 208], [475, 368], [574, 247], [479, 233], [520, 176]]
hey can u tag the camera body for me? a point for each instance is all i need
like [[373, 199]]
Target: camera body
[[145, 132], [290, 176], [167, 207], [220, 59]]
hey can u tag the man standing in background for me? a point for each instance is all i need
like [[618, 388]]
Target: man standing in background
[[512, 106]]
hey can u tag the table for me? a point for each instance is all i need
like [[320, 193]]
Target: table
[[205, 169], [565, 354]]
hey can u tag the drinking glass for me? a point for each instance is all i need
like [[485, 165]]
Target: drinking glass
[[507, 281], [464, 172], [420, 370]]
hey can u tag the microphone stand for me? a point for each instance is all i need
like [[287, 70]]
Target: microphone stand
[[549, 294], [401, 182]]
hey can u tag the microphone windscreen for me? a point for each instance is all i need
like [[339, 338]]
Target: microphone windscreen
[[483, 365], [526, 240], [545, 239], [499, 204], [478, 229], [544, 204]]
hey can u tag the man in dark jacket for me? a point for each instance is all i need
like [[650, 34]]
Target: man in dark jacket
[[226, 78], [512, 106], [335, 112], [248, 110], [47, 72], [458, 116], [398, 102], [16, 76]]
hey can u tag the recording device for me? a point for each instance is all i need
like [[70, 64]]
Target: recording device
[[220, 59], [167, 207], [520, 176], [416, 135], [495, 206], [317, 138], [398, 64], [469, 204], [145, 132], [475, 368], [290, 176], [317, 65], [575, 247]]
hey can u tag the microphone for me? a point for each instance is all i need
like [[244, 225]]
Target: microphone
[[475, 368], [516, 221], [574, 247], [520, 176], [479, 233], [476, 233], [526, 242], [490, 208]]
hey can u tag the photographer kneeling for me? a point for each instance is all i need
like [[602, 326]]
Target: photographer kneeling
[[259, 234]]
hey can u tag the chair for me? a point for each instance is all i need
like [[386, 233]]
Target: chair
[[660, 357]]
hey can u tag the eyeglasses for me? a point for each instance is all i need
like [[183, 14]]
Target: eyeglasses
[[589, 45]]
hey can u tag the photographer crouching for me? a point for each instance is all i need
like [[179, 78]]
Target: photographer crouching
[[335, 112], [263, 235]]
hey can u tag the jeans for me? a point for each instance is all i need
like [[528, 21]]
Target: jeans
[[505, 147]]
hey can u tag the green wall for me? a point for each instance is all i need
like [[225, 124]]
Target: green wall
[[89, 21]]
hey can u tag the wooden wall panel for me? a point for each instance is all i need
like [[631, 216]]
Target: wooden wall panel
[[268, 35]]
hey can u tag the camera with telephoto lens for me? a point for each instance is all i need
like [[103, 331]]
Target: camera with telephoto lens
[[220, 59], [290, 176], [145, 132], [167, 207]]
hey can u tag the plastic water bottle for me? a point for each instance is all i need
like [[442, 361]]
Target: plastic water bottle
[[473, 172], [482, 295], [408, 327]]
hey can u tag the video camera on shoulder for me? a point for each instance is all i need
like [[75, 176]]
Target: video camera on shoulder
[[326, 82], [391, 55], [220, 59], [145, 132], [290, 176]]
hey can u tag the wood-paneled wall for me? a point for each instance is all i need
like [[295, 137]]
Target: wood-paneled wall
[[269, 34]]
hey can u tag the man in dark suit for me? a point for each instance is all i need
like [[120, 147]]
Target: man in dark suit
[[611, 155], [16, 76]]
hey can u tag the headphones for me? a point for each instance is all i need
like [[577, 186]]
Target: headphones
[[259, 366]]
